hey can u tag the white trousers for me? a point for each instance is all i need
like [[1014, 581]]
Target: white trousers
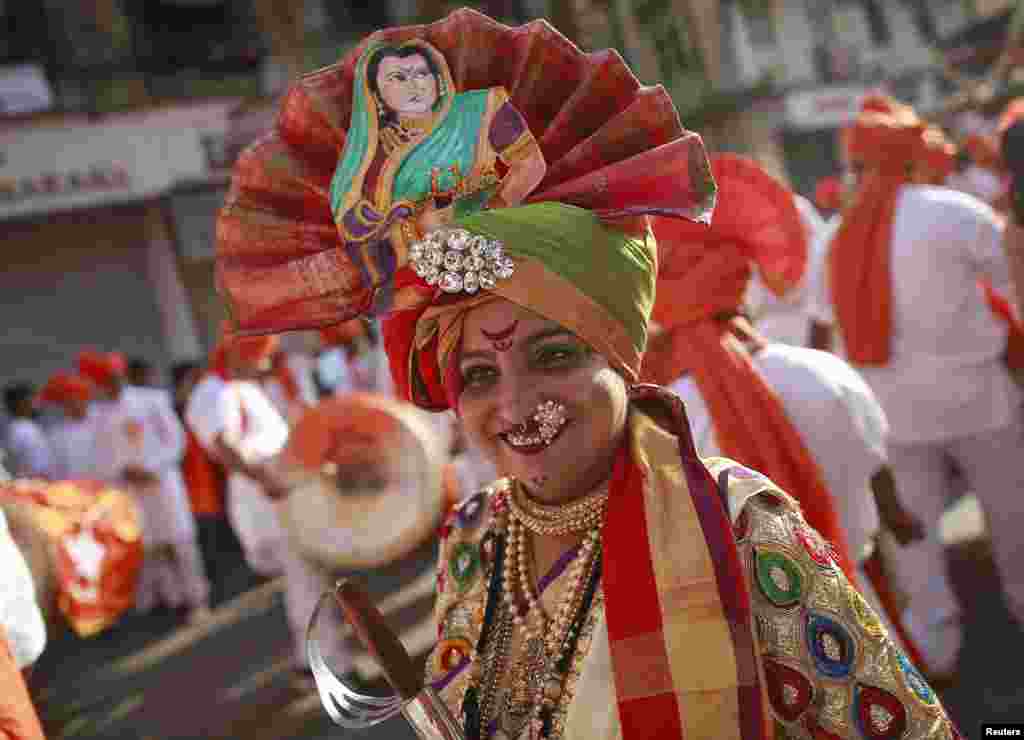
[[993, 465], [304, 581], [253, 517], [173, 575]]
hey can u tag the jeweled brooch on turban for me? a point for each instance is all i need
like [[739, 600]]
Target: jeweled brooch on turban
[[456, 261]]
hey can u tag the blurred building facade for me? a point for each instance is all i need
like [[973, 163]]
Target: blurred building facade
[[777, 78], [120, 120]]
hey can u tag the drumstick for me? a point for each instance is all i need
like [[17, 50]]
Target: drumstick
[[378, 638]]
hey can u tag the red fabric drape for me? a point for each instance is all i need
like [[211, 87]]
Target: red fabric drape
[[887, 146], [704, 272]]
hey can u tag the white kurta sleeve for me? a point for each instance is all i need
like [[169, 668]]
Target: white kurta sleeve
[[20, 616], [171, 449], [209, 413], [979, 238]]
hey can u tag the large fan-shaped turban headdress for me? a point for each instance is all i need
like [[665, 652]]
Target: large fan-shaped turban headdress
[[614, 151]]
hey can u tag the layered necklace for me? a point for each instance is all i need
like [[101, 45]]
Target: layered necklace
[[547, 643]]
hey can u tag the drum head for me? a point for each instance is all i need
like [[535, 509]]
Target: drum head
[[368, 472]]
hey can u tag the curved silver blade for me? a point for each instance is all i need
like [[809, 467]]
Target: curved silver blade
[[345, 706]]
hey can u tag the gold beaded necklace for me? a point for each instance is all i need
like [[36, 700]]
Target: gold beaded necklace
[[554, 520], [543, 638]]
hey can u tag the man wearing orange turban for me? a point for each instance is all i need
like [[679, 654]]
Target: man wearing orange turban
[[902, 289], [803, 415], [140, 446], [236, 423], [74, 439]]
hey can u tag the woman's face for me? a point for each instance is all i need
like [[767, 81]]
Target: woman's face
[[512, 361], [406, 84]]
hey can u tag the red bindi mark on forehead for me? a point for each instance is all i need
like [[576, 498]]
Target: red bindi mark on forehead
[[502, 339]]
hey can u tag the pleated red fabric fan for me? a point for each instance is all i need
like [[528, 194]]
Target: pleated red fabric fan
[[607, 142]]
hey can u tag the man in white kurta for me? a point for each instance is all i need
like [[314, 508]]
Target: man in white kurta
[[29, 454], [239, 414], [235, 421], [140, 445], [73, 438], [947, 394]]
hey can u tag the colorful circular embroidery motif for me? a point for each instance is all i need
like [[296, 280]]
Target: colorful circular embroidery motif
[[778, 577], [814, 546], [879, 714], [830, 646], [464, 565], [915, 680], [789, 691], [449, 654]]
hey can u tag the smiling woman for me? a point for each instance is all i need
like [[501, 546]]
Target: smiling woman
[[611, 584], [505, 392]]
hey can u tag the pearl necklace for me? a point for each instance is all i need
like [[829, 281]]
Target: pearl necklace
[[558, 519], [517, 586], [551, 666]]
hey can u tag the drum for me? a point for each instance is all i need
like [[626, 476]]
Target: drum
[[367, 502], [367, 482]]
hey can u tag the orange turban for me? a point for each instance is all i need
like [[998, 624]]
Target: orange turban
[[828, 193], [248, 350], [888, 145], [101, 368], [704, 272], [63, 387]]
